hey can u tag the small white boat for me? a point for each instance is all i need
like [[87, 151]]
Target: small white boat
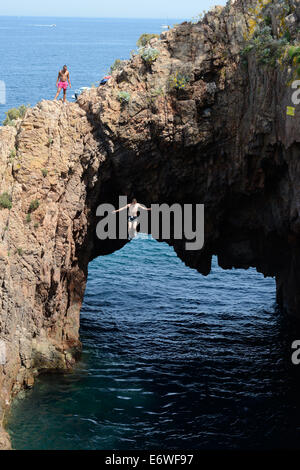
[[44, 25], [165, 26]]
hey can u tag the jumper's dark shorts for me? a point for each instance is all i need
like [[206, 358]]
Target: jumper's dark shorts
[[132, 219]]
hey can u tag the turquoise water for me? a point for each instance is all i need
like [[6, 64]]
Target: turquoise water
[[171, 359]]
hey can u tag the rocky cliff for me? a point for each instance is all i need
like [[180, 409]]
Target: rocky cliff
[[206, 122]]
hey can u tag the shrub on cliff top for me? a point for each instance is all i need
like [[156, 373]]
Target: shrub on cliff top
[[5, 201], [145, 39], [117, 65], [149, 54], [13, 114]]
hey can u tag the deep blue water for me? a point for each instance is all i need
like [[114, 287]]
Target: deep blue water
[[171, 359]]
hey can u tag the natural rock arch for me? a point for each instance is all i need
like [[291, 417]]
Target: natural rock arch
[[224, 140]]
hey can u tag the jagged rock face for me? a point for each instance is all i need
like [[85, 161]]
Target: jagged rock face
[[56, 164], [223, 140]]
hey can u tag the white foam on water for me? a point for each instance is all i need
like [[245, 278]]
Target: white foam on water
[[143, 236]]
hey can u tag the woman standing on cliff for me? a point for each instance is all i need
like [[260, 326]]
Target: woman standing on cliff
[[132, 216]]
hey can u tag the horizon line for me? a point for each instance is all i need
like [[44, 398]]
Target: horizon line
[[97, 17]]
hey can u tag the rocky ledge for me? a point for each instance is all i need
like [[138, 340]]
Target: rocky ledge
[[211, 120]]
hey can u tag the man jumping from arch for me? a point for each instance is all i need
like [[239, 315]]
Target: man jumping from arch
[[132, 216]]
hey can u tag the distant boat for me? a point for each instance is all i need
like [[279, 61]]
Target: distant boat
[[44, 25], [165, 26]]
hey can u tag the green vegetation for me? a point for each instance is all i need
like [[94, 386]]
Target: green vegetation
[[154, 94], [28, 218], [149, 54], [19, 251], [13, 114], [157, 92], [44, 172], [287, 35], [12, 154], [294, 54], [267, 48], [5, 201], [268, 21], [145, 39], [36, 225], [124, 97], [34, 205], [117, 65], [178, 80]]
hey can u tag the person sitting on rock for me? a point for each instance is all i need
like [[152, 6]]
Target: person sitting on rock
[[62, 82]]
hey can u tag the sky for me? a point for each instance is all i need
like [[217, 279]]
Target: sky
[[183, 9]]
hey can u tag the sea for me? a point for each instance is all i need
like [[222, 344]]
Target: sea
[[171, 359]]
